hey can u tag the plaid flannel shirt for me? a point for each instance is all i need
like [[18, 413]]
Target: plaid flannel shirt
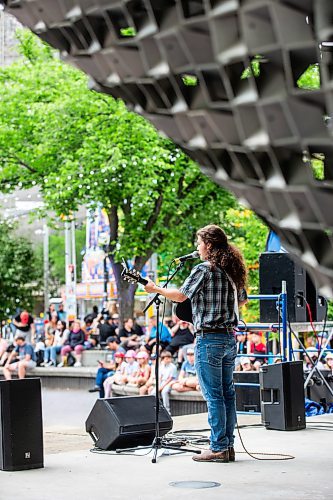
[[212, 297]]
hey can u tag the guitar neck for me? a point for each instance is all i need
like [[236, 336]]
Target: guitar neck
[[142, 281]]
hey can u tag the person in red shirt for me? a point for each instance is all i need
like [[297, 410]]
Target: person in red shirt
[[257, 347]]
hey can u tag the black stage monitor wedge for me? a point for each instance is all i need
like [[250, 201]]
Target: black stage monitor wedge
[[21, 425], [282, 396], [126, 422], [275, 267]]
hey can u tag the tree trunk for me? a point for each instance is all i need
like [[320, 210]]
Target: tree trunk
[[125, 292]]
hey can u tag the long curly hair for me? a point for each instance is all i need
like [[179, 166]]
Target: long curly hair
[[221, 254]]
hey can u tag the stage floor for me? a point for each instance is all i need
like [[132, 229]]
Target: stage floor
[[72, 472]]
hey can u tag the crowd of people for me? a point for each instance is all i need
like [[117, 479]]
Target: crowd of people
[[131, 350]]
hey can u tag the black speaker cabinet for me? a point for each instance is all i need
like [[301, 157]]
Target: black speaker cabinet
[[275, 267], [317, 390], [21, 425], [282, 396], [247, 398], [126, 422], [316, 302]]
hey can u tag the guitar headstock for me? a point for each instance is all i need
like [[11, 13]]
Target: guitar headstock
[[133, 276]]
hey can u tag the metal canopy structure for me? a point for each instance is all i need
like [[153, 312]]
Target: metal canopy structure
[[181, 64]]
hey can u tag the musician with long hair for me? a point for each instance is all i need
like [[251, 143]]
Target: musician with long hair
[[215, 287]]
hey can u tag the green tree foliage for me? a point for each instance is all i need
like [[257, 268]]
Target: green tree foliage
[[249, 233], [82, 147], [20, 272]]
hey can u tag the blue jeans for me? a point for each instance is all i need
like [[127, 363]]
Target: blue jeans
[[50, 353], [102, 374], [215, 355]]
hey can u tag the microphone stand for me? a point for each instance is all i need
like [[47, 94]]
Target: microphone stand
[[158, 441]]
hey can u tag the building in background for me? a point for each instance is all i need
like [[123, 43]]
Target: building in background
[[8, 42]]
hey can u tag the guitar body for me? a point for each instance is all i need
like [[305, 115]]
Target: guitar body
[[183, 311]]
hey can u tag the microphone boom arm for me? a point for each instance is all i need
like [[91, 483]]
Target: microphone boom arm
[[178, 268]]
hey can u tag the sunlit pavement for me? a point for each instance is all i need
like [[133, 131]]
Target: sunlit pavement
[[73, 472]]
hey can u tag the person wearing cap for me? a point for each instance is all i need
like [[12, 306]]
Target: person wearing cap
[[117, 377], [311, 359], [107, 368], [329, 361], [245, 365], [215, 289], [187, 378], [132, 366], [257, 347], [143, 374], [26, 359], [25, 326]]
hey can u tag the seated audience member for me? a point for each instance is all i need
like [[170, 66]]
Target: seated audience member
[[90, 333], [137, 327], [107, 368], [117, 377], [4, 344], [75, 342], [26, 359], [182, 334], [312, 355], [329, 361], [151, 381], [242, 346], [187, 378], [143, 373], [168, 373], [106, 328], [165, 335], [132, 366], [52, 349], [245, 365], [128, 338], [257, 347]]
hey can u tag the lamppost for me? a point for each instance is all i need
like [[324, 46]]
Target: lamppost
[[103, 242]]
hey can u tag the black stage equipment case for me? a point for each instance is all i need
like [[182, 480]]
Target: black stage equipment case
[[282, 396], [21, 425], [126, 422]]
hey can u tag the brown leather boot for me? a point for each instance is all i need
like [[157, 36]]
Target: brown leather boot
[[231, 454], [212, 456]]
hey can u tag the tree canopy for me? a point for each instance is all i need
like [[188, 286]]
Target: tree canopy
[[20, 272], [81, 147]]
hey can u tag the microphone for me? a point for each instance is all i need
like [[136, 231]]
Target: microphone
[[183, 258]]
